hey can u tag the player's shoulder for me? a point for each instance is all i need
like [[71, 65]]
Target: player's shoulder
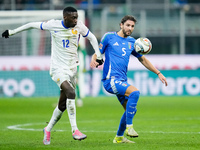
[[108, 35], [53, 22], [79, 23], [131, 39]]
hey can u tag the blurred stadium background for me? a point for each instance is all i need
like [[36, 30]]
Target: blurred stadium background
[[171, 25]]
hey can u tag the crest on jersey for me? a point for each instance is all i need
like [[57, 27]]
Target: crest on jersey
[[74, 31]]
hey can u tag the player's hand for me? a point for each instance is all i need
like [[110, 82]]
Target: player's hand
[[93, 63], [96, 62], [5, 34], [163, 79]]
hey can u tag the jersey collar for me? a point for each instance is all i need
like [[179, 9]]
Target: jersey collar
[[120, 36], [62, 22]]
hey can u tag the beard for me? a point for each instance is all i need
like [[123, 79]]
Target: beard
[[126, 33]]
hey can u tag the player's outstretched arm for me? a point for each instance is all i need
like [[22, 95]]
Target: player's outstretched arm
[[94, 43], [32, 25], [150, 66]]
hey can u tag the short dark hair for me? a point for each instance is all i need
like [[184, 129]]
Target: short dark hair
[[128, 17], [69, 9]]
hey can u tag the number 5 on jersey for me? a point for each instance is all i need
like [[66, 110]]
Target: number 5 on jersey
[[123, 49]]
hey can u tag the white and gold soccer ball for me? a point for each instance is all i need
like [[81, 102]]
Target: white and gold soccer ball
[[143, 46]]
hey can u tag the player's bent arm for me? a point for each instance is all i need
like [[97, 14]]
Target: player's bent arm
[[150, 66], [94, 43], [31, 25]]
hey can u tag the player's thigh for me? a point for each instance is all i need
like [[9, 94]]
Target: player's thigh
[[130, 89], [116, 86], [59, 76], [110, 87], [122, 99], [107, 86], [119, 86]]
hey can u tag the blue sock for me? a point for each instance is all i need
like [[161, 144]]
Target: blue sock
[[122, 125], [131, 106]]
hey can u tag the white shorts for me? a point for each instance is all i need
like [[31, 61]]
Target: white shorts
[[61, 75]]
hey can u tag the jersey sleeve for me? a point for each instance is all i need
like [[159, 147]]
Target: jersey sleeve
[[48, 25], [84, 31], [31, 25], [134, 53], [103, 43]]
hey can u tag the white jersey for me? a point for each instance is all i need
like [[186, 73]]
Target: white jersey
[[64, 43]]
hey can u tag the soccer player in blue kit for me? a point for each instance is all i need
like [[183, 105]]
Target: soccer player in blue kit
[[117, 47]]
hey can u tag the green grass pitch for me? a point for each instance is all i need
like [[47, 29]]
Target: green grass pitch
[[163, 123]]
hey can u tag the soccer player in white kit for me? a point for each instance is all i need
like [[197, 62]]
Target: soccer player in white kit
[[65, 36]]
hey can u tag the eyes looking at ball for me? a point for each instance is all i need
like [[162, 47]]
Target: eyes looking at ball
[[127, 28]]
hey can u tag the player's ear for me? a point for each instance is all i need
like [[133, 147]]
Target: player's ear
[[120, 25]]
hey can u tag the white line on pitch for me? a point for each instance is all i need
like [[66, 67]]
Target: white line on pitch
[[20, 127]]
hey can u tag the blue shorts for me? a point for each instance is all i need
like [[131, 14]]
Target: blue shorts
[[117, 87]]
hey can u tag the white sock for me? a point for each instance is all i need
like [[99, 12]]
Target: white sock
[[119, 136], [129, 125], [71, 109], [54, 119]]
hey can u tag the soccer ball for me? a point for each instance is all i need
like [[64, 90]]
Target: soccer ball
[[143, 46]]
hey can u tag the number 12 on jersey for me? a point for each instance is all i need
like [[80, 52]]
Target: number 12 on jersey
[[65, 43]]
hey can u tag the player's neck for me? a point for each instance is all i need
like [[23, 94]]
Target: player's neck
[[121, 34]]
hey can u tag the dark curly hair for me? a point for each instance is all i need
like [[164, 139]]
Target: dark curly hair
[[128, 17]]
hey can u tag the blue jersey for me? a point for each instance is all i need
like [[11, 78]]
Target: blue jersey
[[117, 53]]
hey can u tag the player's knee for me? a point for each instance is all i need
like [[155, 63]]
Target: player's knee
[[62, 107], [133, 99], [68, 90], [135, 94], [71, 94]]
